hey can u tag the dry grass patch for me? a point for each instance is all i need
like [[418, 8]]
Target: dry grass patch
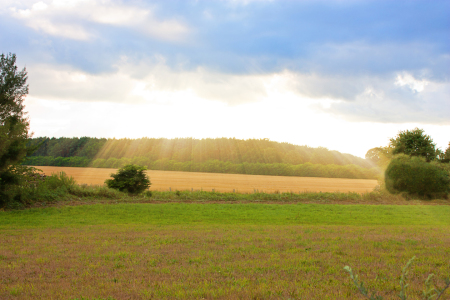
[[163, 180], [216, 261]]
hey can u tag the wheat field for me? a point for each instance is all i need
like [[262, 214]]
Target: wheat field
[[174, 180]]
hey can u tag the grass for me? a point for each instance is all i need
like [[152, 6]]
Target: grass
[[224, 214], [218, 251]]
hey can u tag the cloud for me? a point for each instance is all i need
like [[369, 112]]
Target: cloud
[[380, 61], [39, 17], [143, 82], [399, 99], [75, 19], [66, 83]]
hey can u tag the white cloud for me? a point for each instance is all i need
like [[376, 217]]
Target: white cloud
[[74, 19], [400, 100], [406, 79], [66, 83], [39, 17], [144, 82], [394, 99]]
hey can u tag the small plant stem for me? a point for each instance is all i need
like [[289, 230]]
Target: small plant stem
[[443, 290]]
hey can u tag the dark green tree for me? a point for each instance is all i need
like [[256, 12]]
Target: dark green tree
[[13, 122], [414, 143], [415, 176], [130, 178], [445, 156]]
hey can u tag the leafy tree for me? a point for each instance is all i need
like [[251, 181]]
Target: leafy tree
[[379, 156], [13, 122], [130, 178], [414, 143], [445, 156], [293, 158]]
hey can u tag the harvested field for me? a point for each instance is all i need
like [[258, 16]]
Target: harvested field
[[163, 180]]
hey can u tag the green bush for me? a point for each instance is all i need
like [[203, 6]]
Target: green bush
[[148, 194], [414, 176], [94, 191], [9, 192], [52, 188], [130, 178], [29, 187]]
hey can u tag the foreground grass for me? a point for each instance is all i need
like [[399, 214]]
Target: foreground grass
[[218, 251], [224, 214]]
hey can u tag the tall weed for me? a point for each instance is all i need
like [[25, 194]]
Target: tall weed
[[431, 292]]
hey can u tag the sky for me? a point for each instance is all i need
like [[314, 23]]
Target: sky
[[345, 75]]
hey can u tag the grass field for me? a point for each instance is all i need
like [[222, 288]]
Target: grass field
[[219, 251], [163, 180]]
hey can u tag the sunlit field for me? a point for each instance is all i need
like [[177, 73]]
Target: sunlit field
[[165, 180], [214, 251]]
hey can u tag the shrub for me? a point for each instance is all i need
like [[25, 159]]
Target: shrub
[[414, 176], [9, 191], [52, 188], [30, 186], [130, 178], [94, 191], [148, 194]]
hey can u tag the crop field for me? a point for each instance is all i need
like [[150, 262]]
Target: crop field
[[219, 251], [165, 180]]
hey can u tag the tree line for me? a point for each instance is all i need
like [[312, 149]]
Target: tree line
[[196, 150], [220, 155], [213, 166]]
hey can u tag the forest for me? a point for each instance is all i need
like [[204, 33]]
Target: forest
[[219, 155]]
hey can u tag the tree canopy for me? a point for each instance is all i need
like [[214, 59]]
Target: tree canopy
[[379, 156], [445, 156], [414, 143], [13, 87], [13, 122]]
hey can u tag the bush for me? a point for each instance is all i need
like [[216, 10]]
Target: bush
[[90, 191], [414, 176], [9, 192], [51, 188], [29, 186], [148, 194], [130, 178]]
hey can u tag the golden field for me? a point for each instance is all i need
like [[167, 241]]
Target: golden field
[[165, 180]]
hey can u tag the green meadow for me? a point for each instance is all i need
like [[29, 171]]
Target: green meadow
[[220, 251], [224, 214]]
